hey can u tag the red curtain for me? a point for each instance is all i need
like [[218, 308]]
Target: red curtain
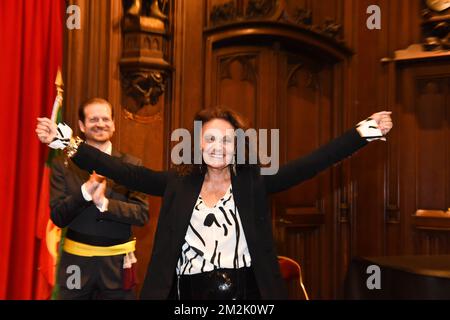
[[31, 39]]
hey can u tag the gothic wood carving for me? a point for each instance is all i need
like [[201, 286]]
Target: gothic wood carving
[[144, 68]]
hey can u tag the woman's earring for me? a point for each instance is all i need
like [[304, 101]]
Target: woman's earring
[[234, 164]]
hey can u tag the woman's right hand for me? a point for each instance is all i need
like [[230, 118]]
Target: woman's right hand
[[46, 130]]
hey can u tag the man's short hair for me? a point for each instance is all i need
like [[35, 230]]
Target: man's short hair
[[81, 115]]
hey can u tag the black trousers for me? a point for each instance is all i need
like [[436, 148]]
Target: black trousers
[[219, 284], [91, 278]]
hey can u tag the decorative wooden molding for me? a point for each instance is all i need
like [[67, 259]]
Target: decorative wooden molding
[[434, 220], [313, 220], [392, 214], [301, 217], [144, 69], [144, 85], [292, 33], [416, 52], [141, 119], [223, 13], [435, 36], [436, 25], [433, 213], [235, 11], [248, 73], [303, 17], [312, 77], [330, 29], [259, 8]]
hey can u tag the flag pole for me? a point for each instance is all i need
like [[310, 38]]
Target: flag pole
[[59, 95]]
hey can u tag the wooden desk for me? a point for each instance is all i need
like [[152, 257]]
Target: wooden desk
[[402, 277]]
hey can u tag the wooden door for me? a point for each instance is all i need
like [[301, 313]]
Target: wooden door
[[276, 87], [422, 162]]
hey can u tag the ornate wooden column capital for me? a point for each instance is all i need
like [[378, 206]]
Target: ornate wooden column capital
[[144, 68]]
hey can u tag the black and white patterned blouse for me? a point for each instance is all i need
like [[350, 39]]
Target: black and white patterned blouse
[[214, 238]]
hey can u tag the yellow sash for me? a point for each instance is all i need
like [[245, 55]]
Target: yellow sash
[[86, 250]]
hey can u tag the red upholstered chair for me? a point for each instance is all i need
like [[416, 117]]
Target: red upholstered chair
[[291, 271]]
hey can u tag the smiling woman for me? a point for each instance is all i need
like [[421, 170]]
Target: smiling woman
[[214, 237], [218, 143], [213, 140]]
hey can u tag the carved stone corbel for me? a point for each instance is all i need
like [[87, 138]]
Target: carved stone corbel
[[144, 69], [145, 86]]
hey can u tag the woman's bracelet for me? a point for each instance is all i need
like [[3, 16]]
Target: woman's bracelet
[[72, 147]]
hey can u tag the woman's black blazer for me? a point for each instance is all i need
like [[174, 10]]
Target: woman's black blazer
[[250, 189]]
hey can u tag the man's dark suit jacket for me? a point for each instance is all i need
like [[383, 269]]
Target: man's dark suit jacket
[[251, 192], [68, 207]]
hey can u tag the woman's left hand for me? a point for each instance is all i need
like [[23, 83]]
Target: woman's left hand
[[384, 121]]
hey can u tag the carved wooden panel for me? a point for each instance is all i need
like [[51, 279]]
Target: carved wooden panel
[[432, 242], [237, 79], [305, 212], [301, 244], [433, 141], [424, 95], [321, 17], [305, 126]]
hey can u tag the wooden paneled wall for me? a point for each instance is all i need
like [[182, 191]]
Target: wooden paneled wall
[[312, 89], [91, 69]]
